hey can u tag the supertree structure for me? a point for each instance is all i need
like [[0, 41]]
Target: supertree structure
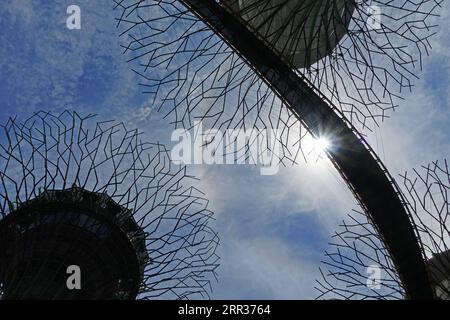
[[327, 68], [357, 250], [75, 192], [360, 59]]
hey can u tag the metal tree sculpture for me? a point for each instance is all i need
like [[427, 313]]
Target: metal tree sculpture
[[357, 249], [300, 66], [360, 54], [94, 195]]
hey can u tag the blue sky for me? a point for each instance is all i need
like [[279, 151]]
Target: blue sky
[[273, 229]]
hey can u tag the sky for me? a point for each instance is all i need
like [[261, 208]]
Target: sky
[[273, 229]]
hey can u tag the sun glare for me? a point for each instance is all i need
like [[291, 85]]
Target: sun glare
[[321, 145], [315, 149]]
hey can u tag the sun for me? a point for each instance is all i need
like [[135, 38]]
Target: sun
[[321, 145], [315, 149]]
